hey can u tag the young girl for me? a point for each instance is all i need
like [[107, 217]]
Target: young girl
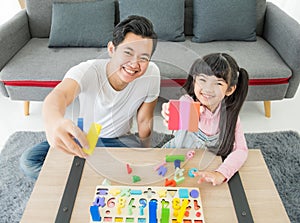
[[217, 82]]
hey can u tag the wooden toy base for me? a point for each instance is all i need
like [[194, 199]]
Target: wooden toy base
[[146, 204]]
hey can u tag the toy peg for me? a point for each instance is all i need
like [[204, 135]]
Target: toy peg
[[165, 215], [80, 123], [131, 206], [120, 205], [94, 211], [181, 212], [152, 211], [143, 203], [92, 137]]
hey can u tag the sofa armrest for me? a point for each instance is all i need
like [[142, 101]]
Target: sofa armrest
[[283, 33], [14, 34]]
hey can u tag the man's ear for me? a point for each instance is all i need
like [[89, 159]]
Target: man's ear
[[230, 90], [110, 48]]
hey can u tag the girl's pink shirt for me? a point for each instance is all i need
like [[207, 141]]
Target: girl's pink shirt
[[209, 124]]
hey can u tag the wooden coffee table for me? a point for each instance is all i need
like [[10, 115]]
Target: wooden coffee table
[[262, 196]]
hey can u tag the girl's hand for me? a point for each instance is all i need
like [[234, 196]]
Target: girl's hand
[[213, 177], [165, 112]]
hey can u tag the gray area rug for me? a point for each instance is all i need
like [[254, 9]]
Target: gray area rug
[[281, 151]]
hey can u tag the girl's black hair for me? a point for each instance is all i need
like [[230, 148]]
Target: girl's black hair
[[138, 25], [222, 66]]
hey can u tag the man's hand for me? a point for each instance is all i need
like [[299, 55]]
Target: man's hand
[[62, 134]]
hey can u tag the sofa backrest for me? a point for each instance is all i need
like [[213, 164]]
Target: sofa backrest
[[40, 13], [260, 15]]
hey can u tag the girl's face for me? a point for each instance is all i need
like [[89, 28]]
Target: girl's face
[[210, 90]]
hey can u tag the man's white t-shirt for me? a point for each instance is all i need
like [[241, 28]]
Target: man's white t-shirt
[[100, 103]]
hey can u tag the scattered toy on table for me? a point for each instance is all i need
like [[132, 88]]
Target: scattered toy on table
[[178, 176], [129, 169], [162, 171], [192, 171], [190, 154], [159, 165], [172, 158], [170, 183], [177, 164], [106, 182], [136, 179]]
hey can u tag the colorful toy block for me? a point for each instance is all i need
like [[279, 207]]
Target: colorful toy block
[[184, 115]]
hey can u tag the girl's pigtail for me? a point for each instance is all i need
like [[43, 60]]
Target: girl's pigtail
[[233, 105]]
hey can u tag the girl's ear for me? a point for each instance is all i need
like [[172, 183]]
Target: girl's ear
[[230, 90], [110, 48]]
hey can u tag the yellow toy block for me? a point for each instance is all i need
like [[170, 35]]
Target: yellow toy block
[[92, 137], [184, 205]]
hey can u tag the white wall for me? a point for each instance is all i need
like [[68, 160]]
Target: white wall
[[291, 7], [10, 7]]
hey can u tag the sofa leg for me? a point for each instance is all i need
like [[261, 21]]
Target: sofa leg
[[26, 108], [267, 105]]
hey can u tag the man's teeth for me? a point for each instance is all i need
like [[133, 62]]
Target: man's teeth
[[129, 71]]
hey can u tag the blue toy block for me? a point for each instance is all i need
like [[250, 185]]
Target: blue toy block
[[94, 211]]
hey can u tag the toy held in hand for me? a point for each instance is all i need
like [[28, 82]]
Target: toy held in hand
[[184, 115]]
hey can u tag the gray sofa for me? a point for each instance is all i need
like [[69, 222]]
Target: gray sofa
[[29, 68]]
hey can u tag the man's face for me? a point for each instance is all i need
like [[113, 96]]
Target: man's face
[[130, 59]]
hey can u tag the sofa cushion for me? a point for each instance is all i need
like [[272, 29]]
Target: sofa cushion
[[265, 63], [261, 6], [36, 65], [167, 16], [84, 24], [229, 20], [39, 16]]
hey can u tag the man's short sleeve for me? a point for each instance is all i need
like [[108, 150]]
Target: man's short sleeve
[[153, 74]]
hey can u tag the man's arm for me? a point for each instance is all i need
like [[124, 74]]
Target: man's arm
[[145, 122], [60, 131]]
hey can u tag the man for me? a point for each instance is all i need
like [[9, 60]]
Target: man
[[111, 92]]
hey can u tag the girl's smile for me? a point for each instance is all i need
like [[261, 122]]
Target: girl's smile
[[210, 90]]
